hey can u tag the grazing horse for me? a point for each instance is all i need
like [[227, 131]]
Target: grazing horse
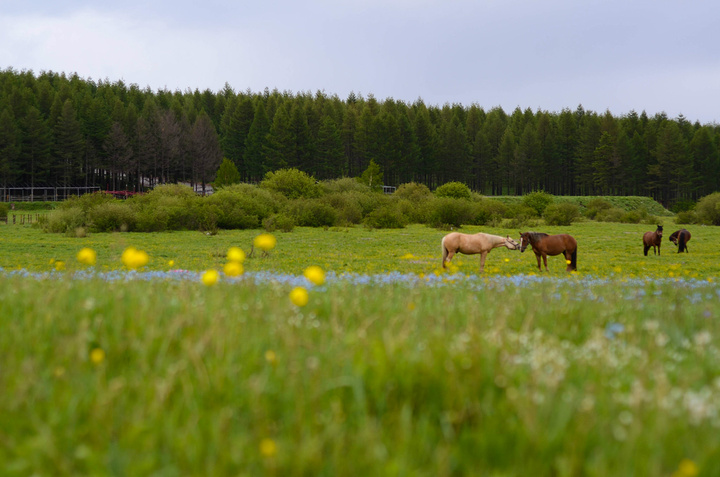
[[653, 239], [470, 244], [544, 245], [681, 238]]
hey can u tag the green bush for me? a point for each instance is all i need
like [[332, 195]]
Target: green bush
[[292, 183], [413, 192], [280, 221], [455, 190], [708, 209], [386, 217], [449, 212], [312, 213], [537, 201], [65, 219], [488, 211], [150, 219], [595, 206], [686, 217], [345, 184], [414, 212], [613, 214], [203, 216], [86, 202], [347, 205], [4, 209], [114, 216], [682, 205], [563, 213]]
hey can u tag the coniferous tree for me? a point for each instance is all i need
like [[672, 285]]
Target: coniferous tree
[[69, 146], [9, 149], [118, 152], [257, 143], [206, 150], [668, 176], [35, 152], [330, 161], [706, 163]]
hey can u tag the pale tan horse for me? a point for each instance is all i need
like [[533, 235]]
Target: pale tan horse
[[470, 244]]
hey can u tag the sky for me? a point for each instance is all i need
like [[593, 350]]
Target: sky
[[657, 56]]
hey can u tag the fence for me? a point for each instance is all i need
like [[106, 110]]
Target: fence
[[22, 219], [45, 194]]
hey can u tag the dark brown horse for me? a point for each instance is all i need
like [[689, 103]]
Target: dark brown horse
[[653, 239], [544, 245], [680, 238]]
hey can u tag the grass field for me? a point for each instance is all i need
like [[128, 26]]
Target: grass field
[[391, 368]]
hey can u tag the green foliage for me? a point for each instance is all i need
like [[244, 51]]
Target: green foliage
[[312, 213], [282, 222], [488, 211], [65, 219], [372, 176], [4, 209], [537, 201], [413, 192], [708, 209], [111, 217], [449, 212], [226, 174], [686, 217], [454, 190], [563, 213], [347, 205], [683, 205], [344, 184], [595, 206], [292, 183], [386, 217]]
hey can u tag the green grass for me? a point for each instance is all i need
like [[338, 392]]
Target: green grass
[[614, 370]]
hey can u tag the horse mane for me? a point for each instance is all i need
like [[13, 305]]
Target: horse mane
[[536, 236]]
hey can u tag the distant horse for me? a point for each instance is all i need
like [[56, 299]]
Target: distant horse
[[544, 245], [681, 238], [470, 244], [653, 239]]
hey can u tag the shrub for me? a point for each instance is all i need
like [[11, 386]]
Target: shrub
[[415, 213], [171, 190], [86, 202], [563, 213], [413, 192], [708, 209], [313, 213], [281, 222], [345, 184], [347, 206], [4, 209], [111, 217], [386, 217], [537, 201], [631, 217], [292, 183], [65, 220], [613, 214], [455, 190], [450, 212], [595, 206], [682, 205], [488, 211], [686, 217], [238, 210]]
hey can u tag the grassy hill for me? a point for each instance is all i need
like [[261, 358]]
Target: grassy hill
[[627, 203]]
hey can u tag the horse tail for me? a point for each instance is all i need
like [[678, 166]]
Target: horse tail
[[681, 242], [444, 251], [573, 259]]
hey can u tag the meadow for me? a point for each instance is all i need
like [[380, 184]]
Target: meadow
[[389, 366]]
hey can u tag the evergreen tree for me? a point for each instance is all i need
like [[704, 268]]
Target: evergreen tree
[[256, 144], [227, 174], [9, 150], [206, 150], [69, 146], [706, 163], [118, 153], [280, 149], [330, 159], [35, 152], [668, 175], [427, 142]]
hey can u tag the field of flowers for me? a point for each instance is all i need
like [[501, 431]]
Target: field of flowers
[[349, 352]]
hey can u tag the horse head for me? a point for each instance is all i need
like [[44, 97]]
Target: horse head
[[511, 244], [659, 230], [524, 241]]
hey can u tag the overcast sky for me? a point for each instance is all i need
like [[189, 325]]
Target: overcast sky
[[617, 55]]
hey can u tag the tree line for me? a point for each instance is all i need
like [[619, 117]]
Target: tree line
[[58, 129]]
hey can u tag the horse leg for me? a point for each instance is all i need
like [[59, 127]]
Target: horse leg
[[447, 256], [483, 255], [537, 255], [544, 256], [646, 249]]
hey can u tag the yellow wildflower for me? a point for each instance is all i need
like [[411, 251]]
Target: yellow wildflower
[[268, 448], [97, 355], [315, 274], [59, 265], [235, 254], [210, 277], [270, 356], [133, 258], [299, 296], [265, 242], [233, 269]]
